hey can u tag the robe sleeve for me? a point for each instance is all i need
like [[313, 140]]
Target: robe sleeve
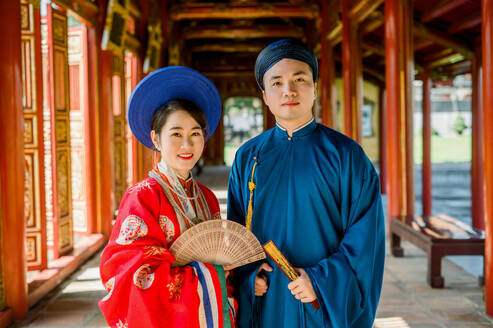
[[244, 276], [349, 281], [143, 289]]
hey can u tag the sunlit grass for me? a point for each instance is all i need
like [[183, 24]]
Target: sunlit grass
[[445, 149]]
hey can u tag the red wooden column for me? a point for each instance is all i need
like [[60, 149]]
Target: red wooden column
[[399, 75], [327, 68], [351, 73], [12, 249], [426, 183], [477, 166], [487, 36], [106, 194], [92, 131], [383, 140], [107, 197]]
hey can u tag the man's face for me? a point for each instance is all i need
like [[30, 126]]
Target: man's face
[[289, 91]]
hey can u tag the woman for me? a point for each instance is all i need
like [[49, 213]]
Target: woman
[[173, 111]]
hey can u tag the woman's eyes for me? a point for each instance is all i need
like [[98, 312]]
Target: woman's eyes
[[194, 134]]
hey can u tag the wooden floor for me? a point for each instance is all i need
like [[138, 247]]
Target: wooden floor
[[407, 300]]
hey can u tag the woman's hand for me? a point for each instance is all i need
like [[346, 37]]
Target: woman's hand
[[261, 285], [227, 270], [302, 288]]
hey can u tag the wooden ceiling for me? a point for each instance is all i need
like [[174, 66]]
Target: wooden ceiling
[[226, 35]]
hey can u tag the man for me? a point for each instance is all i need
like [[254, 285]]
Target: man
[[314, 193]]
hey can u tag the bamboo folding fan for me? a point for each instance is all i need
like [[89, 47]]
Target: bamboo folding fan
[[222, 242]]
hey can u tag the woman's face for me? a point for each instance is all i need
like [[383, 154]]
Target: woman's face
[[181, 142]]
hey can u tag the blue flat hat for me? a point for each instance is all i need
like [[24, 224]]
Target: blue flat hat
[[285, 48], [168, 83]]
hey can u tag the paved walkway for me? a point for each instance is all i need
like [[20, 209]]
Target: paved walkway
[[406, 300]]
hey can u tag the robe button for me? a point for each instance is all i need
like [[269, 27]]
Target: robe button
[[289, 138]]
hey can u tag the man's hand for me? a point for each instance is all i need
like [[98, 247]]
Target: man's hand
[[302, 288], [261, 285]]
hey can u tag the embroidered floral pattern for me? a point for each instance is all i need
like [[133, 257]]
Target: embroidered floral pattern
[[133, 228], [144, 277], [154, 251], [109, 286], [121, 324], [139, 187], [168, 227], [175, 287]]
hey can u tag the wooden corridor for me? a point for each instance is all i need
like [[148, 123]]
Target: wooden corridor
[[407, 300], [67, 68]]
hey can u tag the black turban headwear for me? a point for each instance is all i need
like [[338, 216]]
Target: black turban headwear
[[285, 48]]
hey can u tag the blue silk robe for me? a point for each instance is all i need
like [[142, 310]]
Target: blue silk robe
[[317, 197]]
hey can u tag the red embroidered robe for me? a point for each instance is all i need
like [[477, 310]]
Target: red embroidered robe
[[143, 289]]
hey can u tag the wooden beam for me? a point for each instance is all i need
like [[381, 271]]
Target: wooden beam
[[242, 33], [487, 34], [379, 75], [422, 44], [373, 47], [439, 9], [443, 39], [214, 11], [85, 10], [334, 25], [465, 23], [335, 35], [363, 9], [452, 70], [229, 74], [134, 11], [450, 59], [132, 44], [438, 55], [229, 48], [424, 32], [377, 20]]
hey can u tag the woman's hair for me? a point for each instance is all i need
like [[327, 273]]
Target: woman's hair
[[161, 115]]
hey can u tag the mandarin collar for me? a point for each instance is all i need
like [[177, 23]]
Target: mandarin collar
[[303, 130]]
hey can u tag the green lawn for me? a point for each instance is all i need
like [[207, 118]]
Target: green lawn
[[229, 153], [445, 149]]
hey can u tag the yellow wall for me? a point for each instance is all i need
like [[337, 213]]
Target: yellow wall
[[370, 92], [370, 144]]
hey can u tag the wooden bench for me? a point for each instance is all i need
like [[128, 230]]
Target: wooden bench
[[438, 235]]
